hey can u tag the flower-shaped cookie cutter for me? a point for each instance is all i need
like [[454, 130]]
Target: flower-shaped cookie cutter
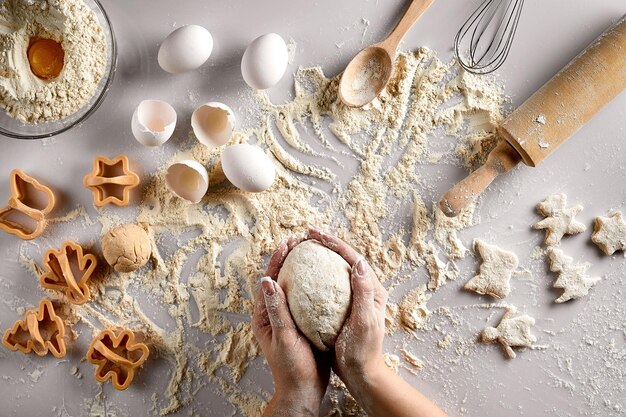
[[30, 201], [68, 270], [111, 181], [116, 357], [41, 331]]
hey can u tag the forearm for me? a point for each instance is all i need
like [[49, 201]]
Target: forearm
[[288, 405], [381, 392]]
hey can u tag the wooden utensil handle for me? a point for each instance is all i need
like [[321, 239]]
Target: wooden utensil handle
[[415, 11], [502, 159], [570, 99]]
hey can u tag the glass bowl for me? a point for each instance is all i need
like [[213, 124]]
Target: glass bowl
[[14, 128]]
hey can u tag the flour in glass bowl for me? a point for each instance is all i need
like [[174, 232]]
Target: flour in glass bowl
[[73, 25]]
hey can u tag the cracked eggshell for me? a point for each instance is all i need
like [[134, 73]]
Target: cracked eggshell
[[188, 180], [213, 124], [185, 49], [265, 61], [248, 168], [153, 122]]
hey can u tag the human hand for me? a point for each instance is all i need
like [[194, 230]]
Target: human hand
[[300, 374], [359, 346]]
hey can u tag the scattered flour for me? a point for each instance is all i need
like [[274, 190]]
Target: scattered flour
[[227, 238]]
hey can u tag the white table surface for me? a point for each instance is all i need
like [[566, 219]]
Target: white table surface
[[590, 169]]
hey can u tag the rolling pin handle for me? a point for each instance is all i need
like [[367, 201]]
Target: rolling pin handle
[[502, 158]]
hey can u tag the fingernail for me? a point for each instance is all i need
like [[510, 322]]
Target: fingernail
[[359, 267], [267, 284]]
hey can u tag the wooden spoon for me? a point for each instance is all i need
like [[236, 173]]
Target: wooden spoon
[[369, 71]]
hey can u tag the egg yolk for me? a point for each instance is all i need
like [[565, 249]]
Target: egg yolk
[[46, 58]]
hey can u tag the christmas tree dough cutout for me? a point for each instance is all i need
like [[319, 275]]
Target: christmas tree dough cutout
[[511, 332], [495, 271], [572, 278], [559, 220], [609, 233]]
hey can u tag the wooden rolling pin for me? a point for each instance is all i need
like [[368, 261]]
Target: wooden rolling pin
[[551, 115]]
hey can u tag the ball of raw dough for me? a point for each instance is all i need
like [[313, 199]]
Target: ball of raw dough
[[316, 281], [126, 248]]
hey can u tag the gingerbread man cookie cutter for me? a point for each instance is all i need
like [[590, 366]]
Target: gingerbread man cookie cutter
[[117, 356], [30, 201], [62, 268], [111, 181], [41, 331]]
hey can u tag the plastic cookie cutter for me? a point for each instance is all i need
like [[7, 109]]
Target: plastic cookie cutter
[[41, 331], [117, 357], [30, 201], [111, 181], [68, 270]]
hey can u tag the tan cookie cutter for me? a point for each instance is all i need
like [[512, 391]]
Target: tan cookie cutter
[[41, 331], [110, 174], [115, 357], [21, 186], [61, 276]]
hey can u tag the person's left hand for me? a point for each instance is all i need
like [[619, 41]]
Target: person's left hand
[[300, 374]]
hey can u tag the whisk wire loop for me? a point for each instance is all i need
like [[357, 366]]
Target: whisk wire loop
[[493, 20]]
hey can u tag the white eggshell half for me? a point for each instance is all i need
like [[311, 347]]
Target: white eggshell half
[[247, 167], [185, 49], [265, 61], [153, 122], [213, 124], [188, 180]]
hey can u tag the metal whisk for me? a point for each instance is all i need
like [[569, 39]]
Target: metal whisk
[[483, 43]]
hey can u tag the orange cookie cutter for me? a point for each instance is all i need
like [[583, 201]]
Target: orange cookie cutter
[[111, 181], [22, 208], [61, 270], [41, 331], [117, 357]]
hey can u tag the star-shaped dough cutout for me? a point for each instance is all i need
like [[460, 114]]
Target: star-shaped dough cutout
[[495, 271], [610, 233], [559, 220], [572, 278], [511, 332], [111, 181]]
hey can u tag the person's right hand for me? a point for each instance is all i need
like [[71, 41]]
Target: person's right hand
[[359, 346]]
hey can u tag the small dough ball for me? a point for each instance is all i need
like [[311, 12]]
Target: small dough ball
[[126, 248], [316, 281]]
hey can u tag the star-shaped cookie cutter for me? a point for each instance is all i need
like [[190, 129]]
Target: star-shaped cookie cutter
[[61, 270], [41, 331], [24, 214], [111, 181], [117, 357]]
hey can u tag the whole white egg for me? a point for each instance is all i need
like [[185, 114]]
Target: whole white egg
[[185, 49], [265, 61], [248, 168]]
